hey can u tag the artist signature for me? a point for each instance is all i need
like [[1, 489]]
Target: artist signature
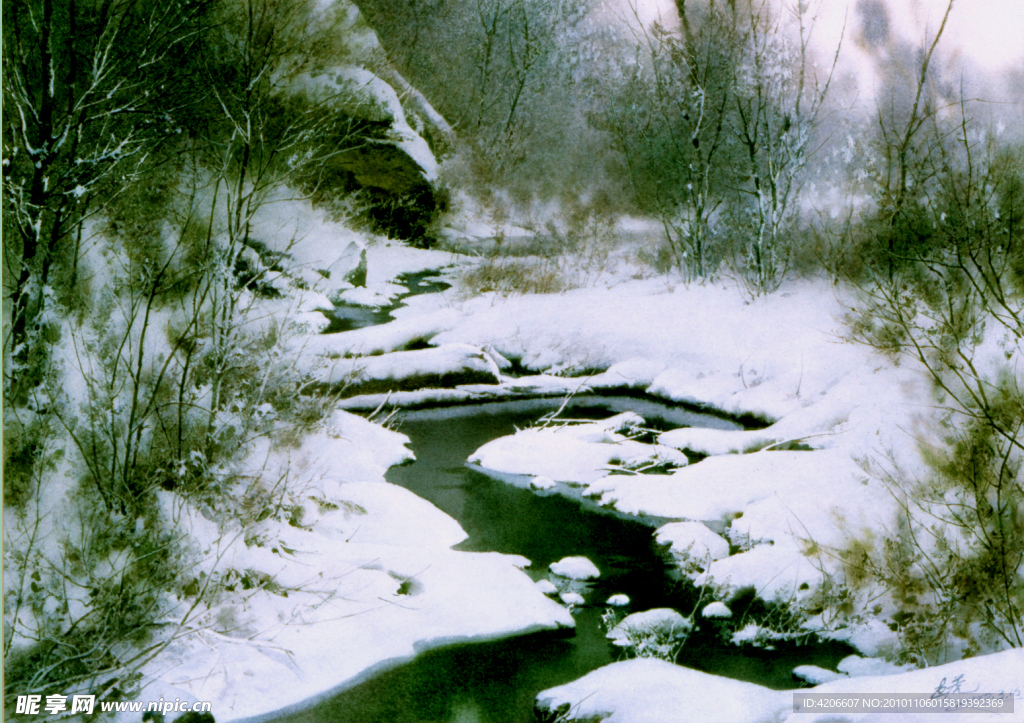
[[956, 687]]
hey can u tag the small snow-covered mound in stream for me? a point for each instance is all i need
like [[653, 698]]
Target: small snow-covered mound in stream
[[692, 545], [663, 623], [716, 610], [443, 366], [653, 691], [574, 453], [576, 568]]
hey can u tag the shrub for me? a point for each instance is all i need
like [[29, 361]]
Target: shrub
[[507, 276], [941, 288]]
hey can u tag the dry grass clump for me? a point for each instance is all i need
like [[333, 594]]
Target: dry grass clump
[[515, 275]]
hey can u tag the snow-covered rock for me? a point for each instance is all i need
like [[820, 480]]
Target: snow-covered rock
[[662, 622], [574, 453], [619, 600], [814, 675], [404, 137], [856, 666], [444, 366], [692, 545], [716, 609], [576, 568], [547, 587], [654, 691], [572, 598], [646, 690]]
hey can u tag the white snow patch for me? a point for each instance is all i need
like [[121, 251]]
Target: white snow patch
[[646, 690], [545, 384], [374, 339], [547, 587], [814, 675], [372, 298], [618, 600], [540, 482], [856, 666], [664, 622], [450, 359], [692, 545], [576, 568], [634, 373], [319, 251], [777, 572], [571, 598], [716, 609], [653, 691], [387, 260], [574, 453]]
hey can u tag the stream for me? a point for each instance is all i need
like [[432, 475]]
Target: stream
[[346, 317], [497, 682]]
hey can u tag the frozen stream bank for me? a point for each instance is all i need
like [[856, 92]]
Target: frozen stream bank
[[498, 681]]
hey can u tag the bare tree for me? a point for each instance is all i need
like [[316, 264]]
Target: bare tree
[[778, 107], [716, 121], [84, 111]]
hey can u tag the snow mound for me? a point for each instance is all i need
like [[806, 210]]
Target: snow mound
[[653, 691], [692, 545], [662, 622], [814, 675], [372, 298], [635, 373], [540, 482], [716, 610], [646, 690], [576, 568], [446, 365], [619, 600], [572, 598], [574, 453], [855, 666], [547, 587]]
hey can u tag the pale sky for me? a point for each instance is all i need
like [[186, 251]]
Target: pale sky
[[987, 34]]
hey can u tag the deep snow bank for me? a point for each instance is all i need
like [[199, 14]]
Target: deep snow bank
[[357, 577], [652, 691], [780, 495]]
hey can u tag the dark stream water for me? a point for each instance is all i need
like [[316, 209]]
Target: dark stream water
[[497, 682], [345, 317]]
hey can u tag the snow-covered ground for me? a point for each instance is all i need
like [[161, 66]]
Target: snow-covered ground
[[363, 579], [646, 690], [369, 576], [347, 575], [784, 498]]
